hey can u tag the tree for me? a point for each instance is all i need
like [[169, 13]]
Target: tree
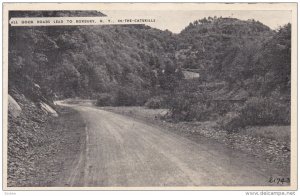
[[276, 61]]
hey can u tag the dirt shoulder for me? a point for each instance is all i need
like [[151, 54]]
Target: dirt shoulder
[[273, 151], [66, 140]]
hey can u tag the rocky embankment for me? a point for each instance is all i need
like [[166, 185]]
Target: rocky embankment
[[39, 141]]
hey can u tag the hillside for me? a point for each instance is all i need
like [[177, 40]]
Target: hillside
[[87, 60], [210, 44], [125, 65], [235, 51], [243, 69], [128, 64], [83, 61]]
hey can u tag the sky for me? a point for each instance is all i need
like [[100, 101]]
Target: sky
[[175, 21]]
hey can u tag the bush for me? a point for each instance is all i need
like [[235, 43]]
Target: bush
[[259, 112], [142, 97], [230, 121], [125, 97], [128, 96], [156, 102], [189, 106], [199, 112], [222, 108], [105, 99]]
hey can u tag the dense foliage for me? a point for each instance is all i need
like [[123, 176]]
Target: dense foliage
[[87, 60], [244, 67], [252, 62]]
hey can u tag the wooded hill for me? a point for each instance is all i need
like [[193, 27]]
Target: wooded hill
[[128, 64], [85, 60], [244, 53]]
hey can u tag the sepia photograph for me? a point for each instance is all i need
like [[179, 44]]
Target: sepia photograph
[[150, 96]]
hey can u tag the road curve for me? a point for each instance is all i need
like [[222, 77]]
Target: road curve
[[122, 152]]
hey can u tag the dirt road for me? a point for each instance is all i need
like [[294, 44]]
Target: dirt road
[[121, 151]]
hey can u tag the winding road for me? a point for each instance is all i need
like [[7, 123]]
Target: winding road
[[120, 151]]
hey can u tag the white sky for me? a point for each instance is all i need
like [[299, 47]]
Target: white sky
[[177, 20]]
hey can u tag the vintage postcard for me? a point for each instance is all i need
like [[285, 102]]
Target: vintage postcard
[[150, 96]]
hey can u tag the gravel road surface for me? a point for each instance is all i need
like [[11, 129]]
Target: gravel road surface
[[120, 151]]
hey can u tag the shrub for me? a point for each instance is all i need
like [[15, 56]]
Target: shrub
[[156, 102], [125, 96], [105, 99], [231, 121], [128, 96], [189, 106], [222, 108], [201, 111], [265, 111], [259, 112], [142, 97]]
